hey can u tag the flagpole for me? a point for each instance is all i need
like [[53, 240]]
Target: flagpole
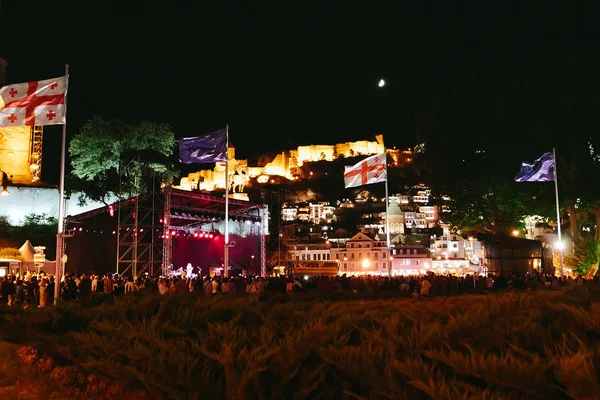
[[387, 215], [226, 247], [560, 244], [58, 267]]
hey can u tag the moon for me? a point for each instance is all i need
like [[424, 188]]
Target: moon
[[381, 83]]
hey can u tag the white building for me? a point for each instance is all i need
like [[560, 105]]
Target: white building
[[536, 228], [321, 211], [410, 260], [414, 219], [421, 197], [363, 255], [447, 246], [289, 213], [314, 213], [431, 212], [304, 214], [311, 251]]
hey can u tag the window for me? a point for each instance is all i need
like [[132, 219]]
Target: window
[[352, 255], [359, 255], [383, 265], [376, 265], [414, 251], [345, 267], [319, 257], [375, 255]]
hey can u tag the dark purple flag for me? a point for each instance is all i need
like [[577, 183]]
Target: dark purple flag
[[542, 170], [208, 148]]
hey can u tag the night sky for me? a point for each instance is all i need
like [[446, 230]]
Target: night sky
[[294, 74]]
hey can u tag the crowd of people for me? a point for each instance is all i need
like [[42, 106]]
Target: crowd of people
[[37, 290]]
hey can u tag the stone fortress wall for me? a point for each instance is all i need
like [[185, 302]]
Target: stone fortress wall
[[285, 164]]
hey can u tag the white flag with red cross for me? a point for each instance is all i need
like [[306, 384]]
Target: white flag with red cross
[[33, 103], [370, 170]]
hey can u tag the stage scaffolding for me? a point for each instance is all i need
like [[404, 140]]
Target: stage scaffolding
[[139, 247], [190, 210], [145, 222]]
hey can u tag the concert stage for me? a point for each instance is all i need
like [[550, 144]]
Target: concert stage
[[168, 228]]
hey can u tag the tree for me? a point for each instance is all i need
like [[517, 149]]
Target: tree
[[105, 149], [476, 136], [39, 229], [7, 237]]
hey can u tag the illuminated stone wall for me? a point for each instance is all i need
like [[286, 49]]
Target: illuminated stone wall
[[15, 153], [284, 164]]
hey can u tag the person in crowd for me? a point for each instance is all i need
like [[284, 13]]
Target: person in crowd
[[43, 293], [162, 286], [131, 286]]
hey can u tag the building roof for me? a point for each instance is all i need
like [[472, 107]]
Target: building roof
[[394, 209]]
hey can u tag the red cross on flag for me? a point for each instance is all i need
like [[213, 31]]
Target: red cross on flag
[[370, 170], [33, 103]]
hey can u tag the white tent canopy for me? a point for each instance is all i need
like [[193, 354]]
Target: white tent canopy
[[28, 253]]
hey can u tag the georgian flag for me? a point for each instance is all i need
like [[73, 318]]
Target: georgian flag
[[370, 170], [34, 103], [12, 116]]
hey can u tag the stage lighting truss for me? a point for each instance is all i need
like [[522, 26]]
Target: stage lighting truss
[[186, 232]]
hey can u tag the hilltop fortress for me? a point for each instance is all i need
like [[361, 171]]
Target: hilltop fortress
[[286, 164]]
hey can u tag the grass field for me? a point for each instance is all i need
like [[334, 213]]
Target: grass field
[[538, 345]]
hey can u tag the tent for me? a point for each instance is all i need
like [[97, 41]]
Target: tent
[[28, 253], [29, 260]]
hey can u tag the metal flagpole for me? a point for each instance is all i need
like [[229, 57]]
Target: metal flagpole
[[387, 215], [59, 267], [226, 246], [560, 243]]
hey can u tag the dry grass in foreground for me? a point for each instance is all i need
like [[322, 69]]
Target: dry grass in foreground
[[535, 345]]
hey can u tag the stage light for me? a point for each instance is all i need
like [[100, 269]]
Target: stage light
[[211, 236], [195, 234], [173, 233]]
